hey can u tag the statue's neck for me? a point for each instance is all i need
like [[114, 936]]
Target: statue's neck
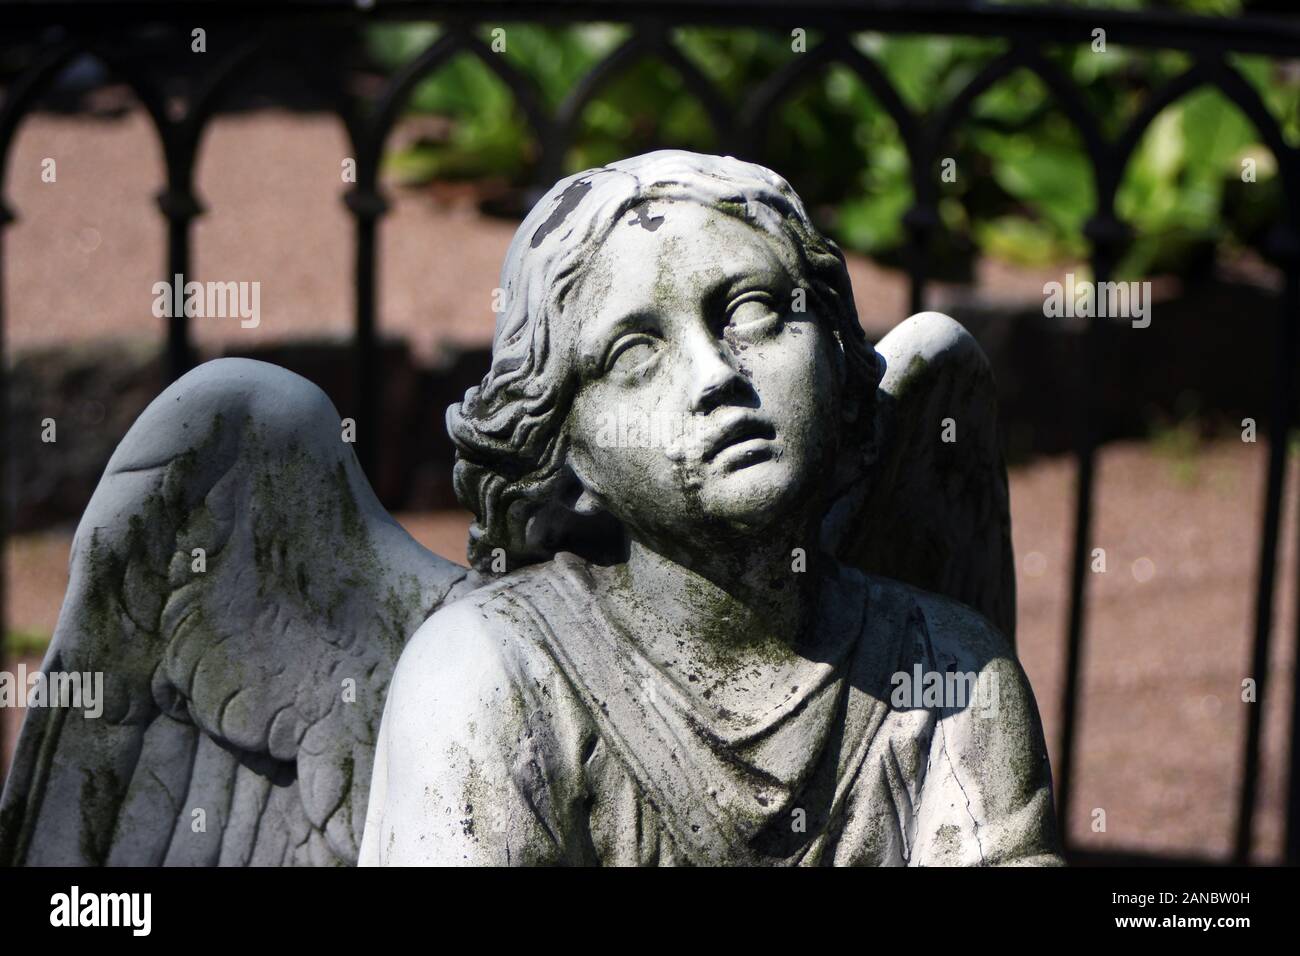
[[764, 592]]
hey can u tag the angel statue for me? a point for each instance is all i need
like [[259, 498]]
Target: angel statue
[[742, 589]]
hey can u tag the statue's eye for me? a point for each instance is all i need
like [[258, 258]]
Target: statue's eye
[[753, 312], [631, 352]]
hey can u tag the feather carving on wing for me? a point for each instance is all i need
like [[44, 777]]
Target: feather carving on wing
[[245, 597]]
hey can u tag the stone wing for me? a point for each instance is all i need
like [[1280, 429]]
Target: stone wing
[[245, 597], [935, 512]]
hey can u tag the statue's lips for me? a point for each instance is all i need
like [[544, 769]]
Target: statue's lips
[[746, 434]]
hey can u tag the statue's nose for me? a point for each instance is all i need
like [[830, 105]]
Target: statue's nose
[[714, 375]]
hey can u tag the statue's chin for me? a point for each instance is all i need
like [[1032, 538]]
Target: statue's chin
[[753, 496]]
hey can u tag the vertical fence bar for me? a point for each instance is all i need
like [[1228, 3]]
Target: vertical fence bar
[[366, 206], [920, 222], [1107, 235], [1085, 468], [922, 218], [180, 208], [1284, 341]]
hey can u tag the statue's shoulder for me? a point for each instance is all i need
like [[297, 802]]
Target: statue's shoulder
[[957, 634], [956, 639], [490, 635], [524, 601]]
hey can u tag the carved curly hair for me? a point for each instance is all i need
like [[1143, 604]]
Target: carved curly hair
[[511, 451]]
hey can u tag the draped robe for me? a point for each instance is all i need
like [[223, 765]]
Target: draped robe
[[526, 725]]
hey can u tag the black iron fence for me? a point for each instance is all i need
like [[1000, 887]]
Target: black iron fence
[[59, 32]]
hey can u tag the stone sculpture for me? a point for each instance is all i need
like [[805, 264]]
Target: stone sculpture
[[741, 592]]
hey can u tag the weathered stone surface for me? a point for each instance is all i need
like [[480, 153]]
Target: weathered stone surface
[[668, 668]]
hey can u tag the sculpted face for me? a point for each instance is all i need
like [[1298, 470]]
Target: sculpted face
[[707, 404]]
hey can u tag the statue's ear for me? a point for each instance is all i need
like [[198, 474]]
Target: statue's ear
[[587, 503], [576, 495], [576, 519]]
